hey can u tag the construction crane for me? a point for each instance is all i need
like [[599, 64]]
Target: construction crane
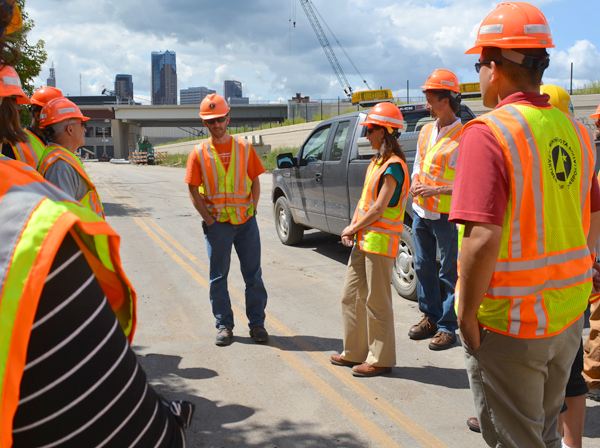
[[335, 65]]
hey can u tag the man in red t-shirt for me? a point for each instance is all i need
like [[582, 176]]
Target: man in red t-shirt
[[222, 176], [526, 193]]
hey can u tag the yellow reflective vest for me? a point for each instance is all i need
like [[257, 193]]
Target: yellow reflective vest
[[543, 278], [35, 217]]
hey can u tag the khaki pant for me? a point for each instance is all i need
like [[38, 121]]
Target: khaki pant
[[367, 313], [518, 386], [591, 349]]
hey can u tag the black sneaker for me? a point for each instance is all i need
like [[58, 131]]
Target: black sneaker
[[259, 334], [224, 336]]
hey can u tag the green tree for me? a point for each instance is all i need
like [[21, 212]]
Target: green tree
[[31, 58]]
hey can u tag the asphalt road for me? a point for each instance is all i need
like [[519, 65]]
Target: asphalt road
[[286, 393]]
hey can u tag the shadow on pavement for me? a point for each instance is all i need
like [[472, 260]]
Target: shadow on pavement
[[299, 343], [118, 209], [157, 367], [327, 245], [592, 417], [283, 434], [438, 376], [219, 425]]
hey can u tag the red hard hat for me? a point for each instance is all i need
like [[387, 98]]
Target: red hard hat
[[385, 114], [213, 106], [45, 94], [513, 25], [442, 79], [10, 85], [59, 109], [596, 116]]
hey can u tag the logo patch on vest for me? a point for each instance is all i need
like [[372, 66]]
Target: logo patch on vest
[[562, 163]]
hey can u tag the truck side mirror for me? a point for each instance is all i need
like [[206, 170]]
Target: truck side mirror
[[286, 160]]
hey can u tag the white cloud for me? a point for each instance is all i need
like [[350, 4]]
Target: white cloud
[[390, 42]]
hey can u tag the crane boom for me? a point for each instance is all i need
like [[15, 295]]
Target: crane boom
[[335, 65]]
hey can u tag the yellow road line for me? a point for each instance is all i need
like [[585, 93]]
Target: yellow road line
[[405, 423]]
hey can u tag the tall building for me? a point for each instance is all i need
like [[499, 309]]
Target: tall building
[[51, 81], [164, 77], [124, 87], [193, 96], [232, 92]]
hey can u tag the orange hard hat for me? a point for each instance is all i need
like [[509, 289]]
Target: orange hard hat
[[16, 22], [213, 106], [513, 25], [442, 79], [596, 116], [10, 85], [385, 114], [59, 109], [45, 94]]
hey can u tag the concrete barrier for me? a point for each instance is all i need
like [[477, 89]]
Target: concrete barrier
[[293, 136], [281, 137]]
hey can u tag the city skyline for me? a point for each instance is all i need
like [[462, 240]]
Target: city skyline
[[258, 46]]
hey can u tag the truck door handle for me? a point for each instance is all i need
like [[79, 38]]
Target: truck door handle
[[318, 177]]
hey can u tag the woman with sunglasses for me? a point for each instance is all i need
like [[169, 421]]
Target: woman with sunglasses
[[375, 229]]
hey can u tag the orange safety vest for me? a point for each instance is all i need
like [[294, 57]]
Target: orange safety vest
[[92, 199], [382, 236], [24, 152], [543, 278], [434, 169], [227, 194], [36, 216]]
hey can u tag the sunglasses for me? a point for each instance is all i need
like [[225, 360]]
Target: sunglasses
[[216, 120], [479, 64], [369, 130]]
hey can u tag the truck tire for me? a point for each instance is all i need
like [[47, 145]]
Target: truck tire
[[288, 231], [404, 276]]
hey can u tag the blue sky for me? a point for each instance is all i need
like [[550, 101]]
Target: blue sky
[[389, 41]]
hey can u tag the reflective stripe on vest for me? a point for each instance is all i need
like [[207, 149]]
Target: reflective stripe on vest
[[35, 218], [434, 169], [542, 279], [91, 199], [382, 236], [38, 146], [24, 152], [227, 194]]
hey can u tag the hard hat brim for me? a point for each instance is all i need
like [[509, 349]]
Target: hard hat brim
[[23, 100], [595, 116], [211, 116]]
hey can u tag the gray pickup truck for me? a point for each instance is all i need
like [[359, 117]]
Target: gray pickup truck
[[320, 186]]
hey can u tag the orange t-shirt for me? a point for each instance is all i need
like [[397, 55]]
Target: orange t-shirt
[[193, 175]]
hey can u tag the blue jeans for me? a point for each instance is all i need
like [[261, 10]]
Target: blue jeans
[[245, 238], [436, 304]]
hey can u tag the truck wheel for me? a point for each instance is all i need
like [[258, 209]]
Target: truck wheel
[[288, 231], [404, 276]]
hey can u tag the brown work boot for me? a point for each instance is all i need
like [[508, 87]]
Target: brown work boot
[[442, 341], [366, 369], [224, 336], [337, 360], [423, 329], [473, 424]]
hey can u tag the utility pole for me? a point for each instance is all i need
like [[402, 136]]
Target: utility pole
[[571, 89], [104, 140]]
